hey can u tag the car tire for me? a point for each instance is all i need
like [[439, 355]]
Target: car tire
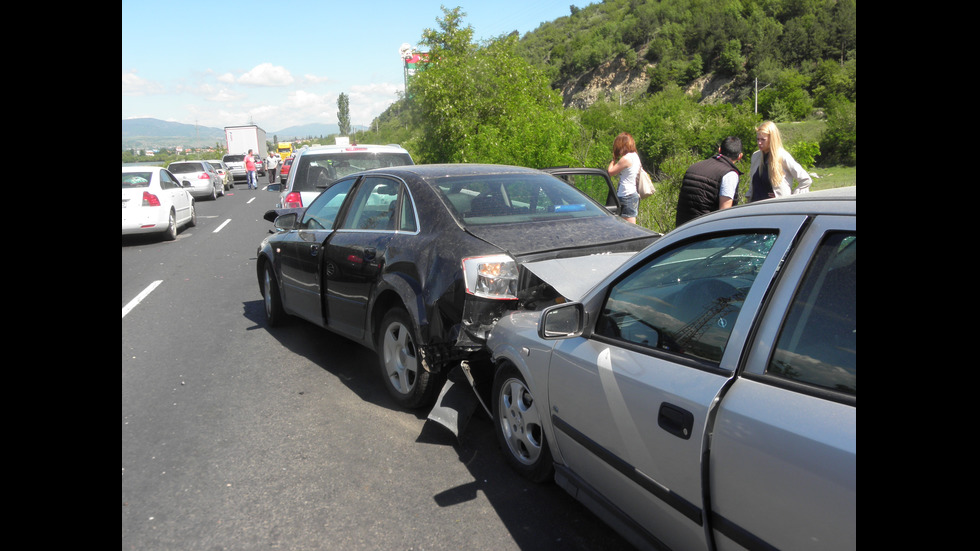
[[400, 362], [170, 234], [275, 316], [214, 194], [518, 425], [193, 221]]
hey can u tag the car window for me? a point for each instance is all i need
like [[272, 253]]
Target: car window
[[686, 300], [506, 198], [233, 158], [374, 205], [318, 170], [136, 179], [185, 167], [817, 343], [593, 185], [167, 181], [323, 210]]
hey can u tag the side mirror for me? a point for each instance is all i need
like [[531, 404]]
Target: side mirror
[[286, 222], [562, 321], [186, 183], [274, 187]]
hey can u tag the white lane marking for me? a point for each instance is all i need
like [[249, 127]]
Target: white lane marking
[[250, 200], [223, 224], [139, 298]]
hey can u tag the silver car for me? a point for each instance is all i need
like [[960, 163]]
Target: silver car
[[224, 171], [703, 393], [204, 179]]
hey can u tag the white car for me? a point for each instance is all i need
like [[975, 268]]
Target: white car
[[204, 180], [154, 201], [314, 168]]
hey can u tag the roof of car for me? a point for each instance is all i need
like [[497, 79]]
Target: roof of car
[[458, 169], [392, 148], [841, 201]]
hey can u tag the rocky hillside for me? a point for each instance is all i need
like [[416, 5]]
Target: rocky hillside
[[615, 81]]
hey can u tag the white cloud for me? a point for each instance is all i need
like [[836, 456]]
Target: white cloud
[[267, 74], [134, 85]]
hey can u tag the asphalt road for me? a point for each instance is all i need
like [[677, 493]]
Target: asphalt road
[[241, 437]]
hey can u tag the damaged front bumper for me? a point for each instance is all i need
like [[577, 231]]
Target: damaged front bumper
[[543, 283]]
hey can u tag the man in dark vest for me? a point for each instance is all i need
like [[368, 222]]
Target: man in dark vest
[[711, 184]]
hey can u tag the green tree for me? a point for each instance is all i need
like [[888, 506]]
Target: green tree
[[343, 114], [485, 103]]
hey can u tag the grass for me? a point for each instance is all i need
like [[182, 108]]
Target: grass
[[827, 177]]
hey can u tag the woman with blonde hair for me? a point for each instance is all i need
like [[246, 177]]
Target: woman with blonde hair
[[626, 163], [773, 169]]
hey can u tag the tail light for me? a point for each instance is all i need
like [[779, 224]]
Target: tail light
[[293, 200], [493, 277], [204, 176], [150, 200]]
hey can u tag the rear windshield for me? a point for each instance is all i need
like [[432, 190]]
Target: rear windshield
[[316, 171], [506, 198], [184, 168], [233, 158], [136, 179]]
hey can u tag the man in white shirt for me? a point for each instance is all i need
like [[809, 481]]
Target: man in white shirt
[[271, 164]]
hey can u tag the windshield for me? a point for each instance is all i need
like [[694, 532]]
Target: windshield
[[185, 167], [318, 170], [505, 198], [136, 179]]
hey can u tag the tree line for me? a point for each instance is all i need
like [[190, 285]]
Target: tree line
[[497, 102]]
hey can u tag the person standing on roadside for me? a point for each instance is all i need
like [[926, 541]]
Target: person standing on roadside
[[626, 163], [711, 184], [271, 164], [773, 169], [250, 170]]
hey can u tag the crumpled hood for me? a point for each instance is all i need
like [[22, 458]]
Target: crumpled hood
[[562, 238], [574, 277]]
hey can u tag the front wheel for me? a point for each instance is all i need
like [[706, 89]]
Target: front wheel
[[274, 314], [408, 383], [518, 426]]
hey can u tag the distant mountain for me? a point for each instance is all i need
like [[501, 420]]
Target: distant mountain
[[155, 133]]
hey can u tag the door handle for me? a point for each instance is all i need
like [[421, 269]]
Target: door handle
[[314, 249], [675, 420]]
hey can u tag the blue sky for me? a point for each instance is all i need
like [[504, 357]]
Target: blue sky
[[219, 63]]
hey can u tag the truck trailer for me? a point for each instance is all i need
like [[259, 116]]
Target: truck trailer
[[239, 139]]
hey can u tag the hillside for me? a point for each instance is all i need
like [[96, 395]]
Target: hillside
[[155, 133]]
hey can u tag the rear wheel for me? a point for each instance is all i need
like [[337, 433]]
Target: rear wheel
[[170, 233], [408, 383], [518, 425]]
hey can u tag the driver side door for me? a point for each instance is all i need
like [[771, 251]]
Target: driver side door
[[301, 253]]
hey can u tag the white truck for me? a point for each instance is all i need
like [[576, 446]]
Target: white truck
[[239, 139]]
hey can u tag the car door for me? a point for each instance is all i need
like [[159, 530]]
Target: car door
[[593, 182], [356, 254], [301, 254], [630, 403], [176, 195], [783, 459]]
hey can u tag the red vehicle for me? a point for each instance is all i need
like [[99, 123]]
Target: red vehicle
[[284, 171]]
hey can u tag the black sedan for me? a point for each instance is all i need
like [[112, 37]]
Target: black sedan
[[418, 262]]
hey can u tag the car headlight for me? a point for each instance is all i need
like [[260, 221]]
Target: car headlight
[[493, 277]]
